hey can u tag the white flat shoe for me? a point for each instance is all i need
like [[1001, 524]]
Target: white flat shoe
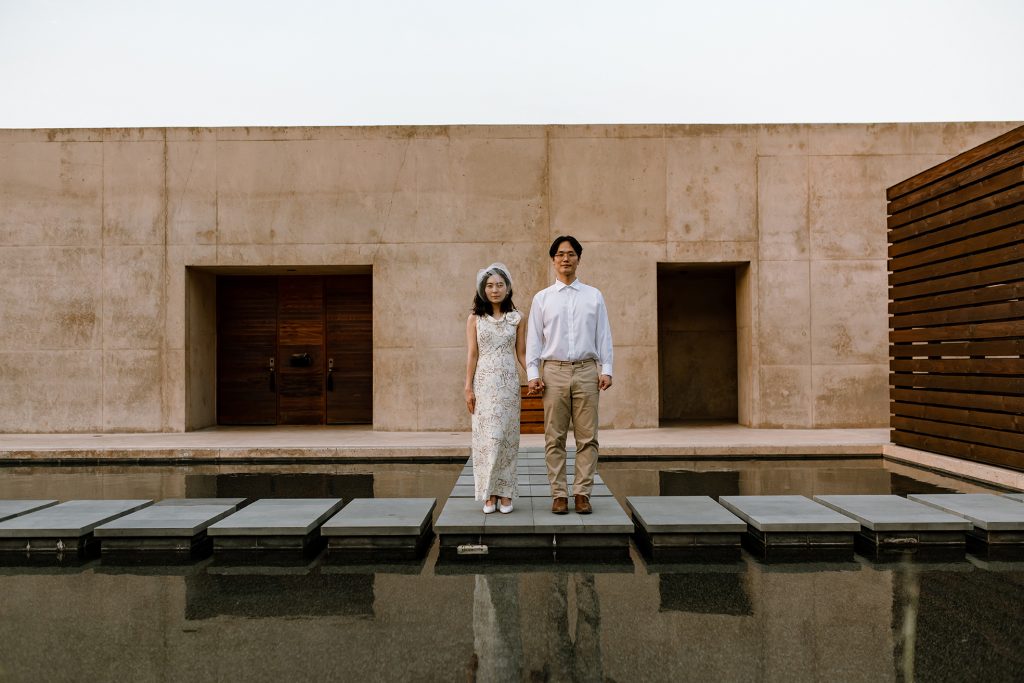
[[489, 508], [504, 509]]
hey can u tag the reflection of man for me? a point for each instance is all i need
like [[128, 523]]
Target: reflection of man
[[569, 358]]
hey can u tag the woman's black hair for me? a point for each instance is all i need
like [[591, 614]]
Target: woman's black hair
[[481, 306], [577, 247]]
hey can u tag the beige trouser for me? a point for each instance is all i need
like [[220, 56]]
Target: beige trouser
[[570, 391]]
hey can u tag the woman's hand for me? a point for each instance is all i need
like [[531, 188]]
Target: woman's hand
[[470, 400]]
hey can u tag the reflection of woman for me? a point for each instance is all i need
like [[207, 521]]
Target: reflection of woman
[[495, 338]]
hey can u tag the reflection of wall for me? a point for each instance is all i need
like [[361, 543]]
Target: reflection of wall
[[98, 228], [697, 344]]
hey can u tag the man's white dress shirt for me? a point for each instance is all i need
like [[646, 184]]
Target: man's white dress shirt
[[568, 322]]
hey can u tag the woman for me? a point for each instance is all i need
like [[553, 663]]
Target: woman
[[496, 338]]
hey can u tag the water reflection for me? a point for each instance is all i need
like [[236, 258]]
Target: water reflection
[[743, 620]]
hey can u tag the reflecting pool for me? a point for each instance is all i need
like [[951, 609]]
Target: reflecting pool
[[736, 619]]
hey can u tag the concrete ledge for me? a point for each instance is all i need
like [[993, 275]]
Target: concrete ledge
[[966, 469]]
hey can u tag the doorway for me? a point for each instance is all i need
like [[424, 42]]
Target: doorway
[[295, 350], [697, 343]]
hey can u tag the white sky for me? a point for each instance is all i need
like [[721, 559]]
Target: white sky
[[99, 63]]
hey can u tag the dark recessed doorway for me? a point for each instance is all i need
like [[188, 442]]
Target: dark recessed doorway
[[697, 364], [294, 350]]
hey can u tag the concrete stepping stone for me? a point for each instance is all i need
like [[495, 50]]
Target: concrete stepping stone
[[893, 521], [175, 528], [234, 502], [65, 527], [792, 522], [667, 523], [274, 524], [16, 508], [997, 520], [398, 528], [532, 527]]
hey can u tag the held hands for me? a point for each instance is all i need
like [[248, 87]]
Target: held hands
[[470, 400], [535, 387], [604, 382]]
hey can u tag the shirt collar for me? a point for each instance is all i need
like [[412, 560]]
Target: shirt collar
[[575, 284]]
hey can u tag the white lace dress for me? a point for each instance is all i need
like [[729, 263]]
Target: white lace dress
[[496, 417]]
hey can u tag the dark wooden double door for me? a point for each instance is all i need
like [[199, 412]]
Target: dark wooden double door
[[294, 350]]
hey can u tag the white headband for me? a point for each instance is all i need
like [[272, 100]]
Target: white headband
[[493, 269]]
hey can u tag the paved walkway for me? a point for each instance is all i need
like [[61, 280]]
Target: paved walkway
[[344, 442]]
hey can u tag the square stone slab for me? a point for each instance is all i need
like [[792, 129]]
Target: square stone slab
[[381, 517], [787, 514], [235, 503], [164, 521], [608, 517], [278, 517], [461, 516], [16, 508], [985, 510], [893, 513], [75, 518], [683, 514]]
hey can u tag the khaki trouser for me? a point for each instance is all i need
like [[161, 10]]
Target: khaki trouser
[[570, 391]]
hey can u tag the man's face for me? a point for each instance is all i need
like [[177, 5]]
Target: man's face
[[566, 260]]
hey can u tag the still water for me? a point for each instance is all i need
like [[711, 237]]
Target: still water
[[738, 619]]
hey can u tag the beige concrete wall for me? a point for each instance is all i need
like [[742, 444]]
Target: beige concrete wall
[[97, 228]]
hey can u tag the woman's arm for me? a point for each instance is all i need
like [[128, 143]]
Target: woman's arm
[[521, 343], [472, 354]]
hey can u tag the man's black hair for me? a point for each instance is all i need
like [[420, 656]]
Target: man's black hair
[[577, 247]]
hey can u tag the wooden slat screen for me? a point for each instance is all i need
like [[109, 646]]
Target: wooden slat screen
[[956, 314], [531, 413]]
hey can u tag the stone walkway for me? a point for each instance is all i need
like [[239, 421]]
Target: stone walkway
[[345, 442]]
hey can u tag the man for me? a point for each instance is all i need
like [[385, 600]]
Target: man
[[569, 359]]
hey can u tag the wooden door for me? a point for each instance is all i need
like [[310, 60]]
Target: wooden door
[[348, 305], [246, 344], [300, 347]]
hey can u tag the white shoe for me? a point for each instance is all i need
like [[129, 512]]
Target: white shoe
[[488, 508], [504, 509]]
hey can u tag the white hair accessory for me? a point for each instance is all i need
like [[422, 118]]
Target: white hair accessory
[[496, 268]]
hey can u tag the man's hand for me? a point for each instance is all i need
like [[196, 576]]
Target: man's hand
[[604, 382], [535, 387], [470, 400]]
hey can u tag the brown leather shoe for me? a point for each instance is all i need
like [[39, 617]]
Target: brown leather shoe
[[560, 506], [582, 505]]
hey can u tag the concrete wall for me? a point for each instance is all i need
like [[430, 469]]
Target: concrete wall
[[98, 227]]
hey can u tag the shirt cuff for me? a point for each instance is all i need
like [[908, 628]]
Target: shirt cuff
[[532, 373], [606, 369]]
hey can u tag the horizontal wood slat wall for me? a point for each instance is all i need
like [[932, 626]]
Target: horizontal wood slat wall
[[531, 413], [956, 314]]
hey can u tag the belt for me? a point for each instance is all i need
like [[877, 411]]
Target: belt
[[572, 363]]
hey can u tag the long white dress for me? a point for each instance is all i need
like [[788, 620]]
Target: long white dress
[[496, 417]]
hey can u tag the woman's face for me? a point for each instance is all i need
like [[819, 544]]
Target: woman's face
[[495, 289]]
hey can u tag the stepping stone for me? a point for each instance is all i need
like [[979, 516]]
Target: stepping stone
[[893, 521], [167, 528], [65, 527], [234, 502], [16, 508], [669, 523], [792, 522], [274, 524], [463, 492], [997, 520], [396, 527], [532, 528]]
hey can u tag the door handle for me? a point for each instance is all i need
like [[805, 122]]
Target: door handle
[[330, 374], [273, 387]]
